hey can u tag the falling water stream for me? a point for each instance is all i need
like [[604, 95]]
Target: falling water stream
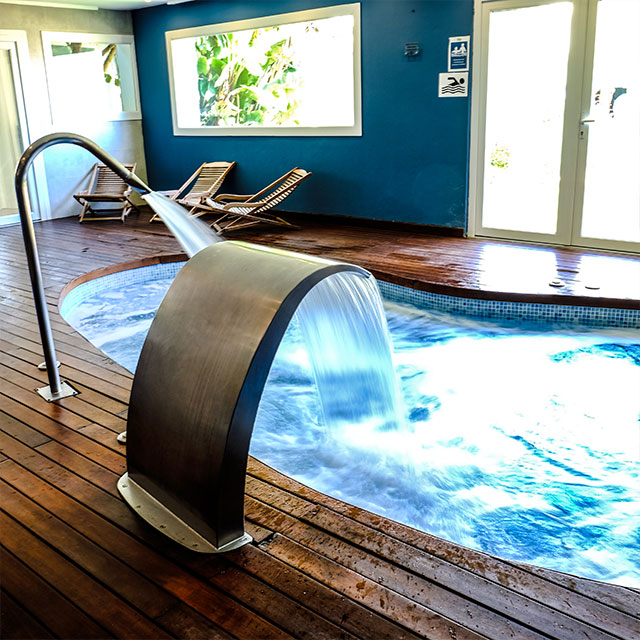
[[192, 234], [345, 332], [344, 328]]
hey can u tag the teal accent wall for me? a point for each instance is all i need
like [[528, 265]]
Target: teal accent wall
[[409, 165]]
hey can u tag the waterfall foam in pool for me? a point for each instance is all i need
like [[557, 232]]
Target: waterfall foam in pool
[[519, 441]]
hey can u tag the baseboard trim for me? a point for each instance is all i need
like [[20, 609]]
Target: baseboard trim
[[411, 227]]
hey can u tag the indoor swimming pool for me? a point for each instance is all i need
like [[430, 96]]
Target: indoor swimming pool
[[520, 439]]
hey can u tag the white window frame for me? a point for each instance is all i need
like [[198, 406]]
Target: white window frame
[[270, 21], [49, 37]]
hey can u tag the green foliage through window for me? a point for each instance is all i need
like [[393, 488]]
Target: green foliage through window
[[109, 55], [500, 157], [247, 78]]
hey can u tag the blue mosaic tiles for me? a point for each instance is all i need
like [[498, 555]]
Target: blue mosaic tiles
[[468, 307], [114, 280], [514, 311]]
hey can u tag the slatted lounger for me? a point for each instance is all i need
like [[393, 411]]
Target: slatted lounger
[[106, 187], [208, 179], [244, 210]]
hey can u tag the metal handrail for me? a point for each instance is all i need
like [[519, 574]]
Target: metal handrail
[[57, 389]]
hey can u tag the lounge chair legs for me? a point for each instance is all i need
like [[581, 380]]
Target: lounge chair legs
[[249, 221]]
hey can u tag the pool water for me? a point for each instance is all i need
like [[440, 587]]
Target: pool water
[[523, 442]]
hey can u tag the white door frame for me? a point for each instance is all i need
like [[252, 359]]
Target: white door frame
[[29, 115], [573, 160], [585, 114]]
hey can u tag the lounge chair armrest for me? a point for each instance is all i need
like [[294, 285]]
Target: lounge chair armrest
[[231, 196], [213, 205], [248, 206], [210, 204], [196, 195]]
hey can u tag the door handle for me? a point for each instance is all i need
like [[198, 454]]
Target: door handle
[[583, 129]]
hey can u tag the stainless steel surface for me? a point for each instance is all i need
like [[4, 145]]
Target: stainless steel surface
[[56, 389], [201, 374], [64, 391], [159, 517]]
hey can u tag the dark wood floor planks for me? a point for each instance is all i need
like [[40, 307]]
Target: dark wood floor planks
[[78, 563]]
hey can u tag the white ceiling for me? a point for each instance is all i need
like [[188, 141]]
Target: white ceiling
[[117, 5]]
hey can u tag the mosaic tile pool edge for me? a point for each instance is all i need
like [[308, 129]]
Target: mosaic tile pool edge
[[603, 317], [147, 273], [469, 307]]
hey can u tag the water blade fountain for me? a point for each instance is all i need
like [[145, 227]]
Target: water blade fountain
[[198, 385], [205, 362], [206, 359]]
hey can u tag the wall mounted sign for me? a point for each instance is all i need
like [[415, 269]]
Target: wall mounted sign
[[458, 53], [453, 85]]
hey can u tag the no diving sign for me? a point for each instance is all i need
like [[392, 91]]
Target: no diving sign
[[453, 85]]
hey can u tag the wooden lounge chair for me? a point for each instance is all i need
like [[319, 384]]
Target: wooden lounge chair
[[208, 178], [242, 211], [106, 187]]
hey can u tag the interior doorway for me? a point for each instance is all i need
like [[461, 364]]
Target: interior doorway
[[556, 149], [14, 128]]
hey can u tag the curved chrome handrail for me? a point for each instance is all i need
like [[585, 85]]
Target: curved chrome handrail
[[57, 389]]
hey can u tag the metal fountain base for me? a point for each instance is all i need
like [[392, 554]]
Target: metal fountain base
[[167, 522]]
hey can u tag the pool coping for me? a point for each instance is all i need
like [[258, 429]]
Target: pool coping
[[578, 311], [116, 268]]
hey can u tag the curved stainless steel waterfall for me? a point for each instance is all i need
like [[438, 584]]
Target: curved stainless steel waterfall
[[198, 385], [56, 389], [202, 369]]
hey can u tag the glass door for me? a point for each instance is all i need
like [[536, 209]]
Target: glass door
[[607, 211], [525, 106], [557, 142], [13, 129]]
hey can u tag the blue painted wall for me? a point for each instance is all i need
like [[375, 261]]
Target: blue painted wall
[[410, 164]]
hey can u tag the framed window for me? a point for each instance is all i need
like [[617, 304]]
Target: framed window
[[91, 76], [294, 74]]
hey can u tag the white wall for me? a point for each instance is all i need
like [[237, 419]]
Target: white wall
[[67, 166]]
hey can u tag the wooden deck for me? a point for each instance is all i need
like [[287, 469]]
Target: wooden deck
[[78, 563]]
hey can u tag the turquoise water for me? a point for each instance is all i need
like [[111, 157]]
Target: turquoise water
[[522, 441]]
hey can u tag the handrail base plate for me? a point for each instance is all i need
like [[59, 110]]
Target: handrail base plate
[[66, 391]]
